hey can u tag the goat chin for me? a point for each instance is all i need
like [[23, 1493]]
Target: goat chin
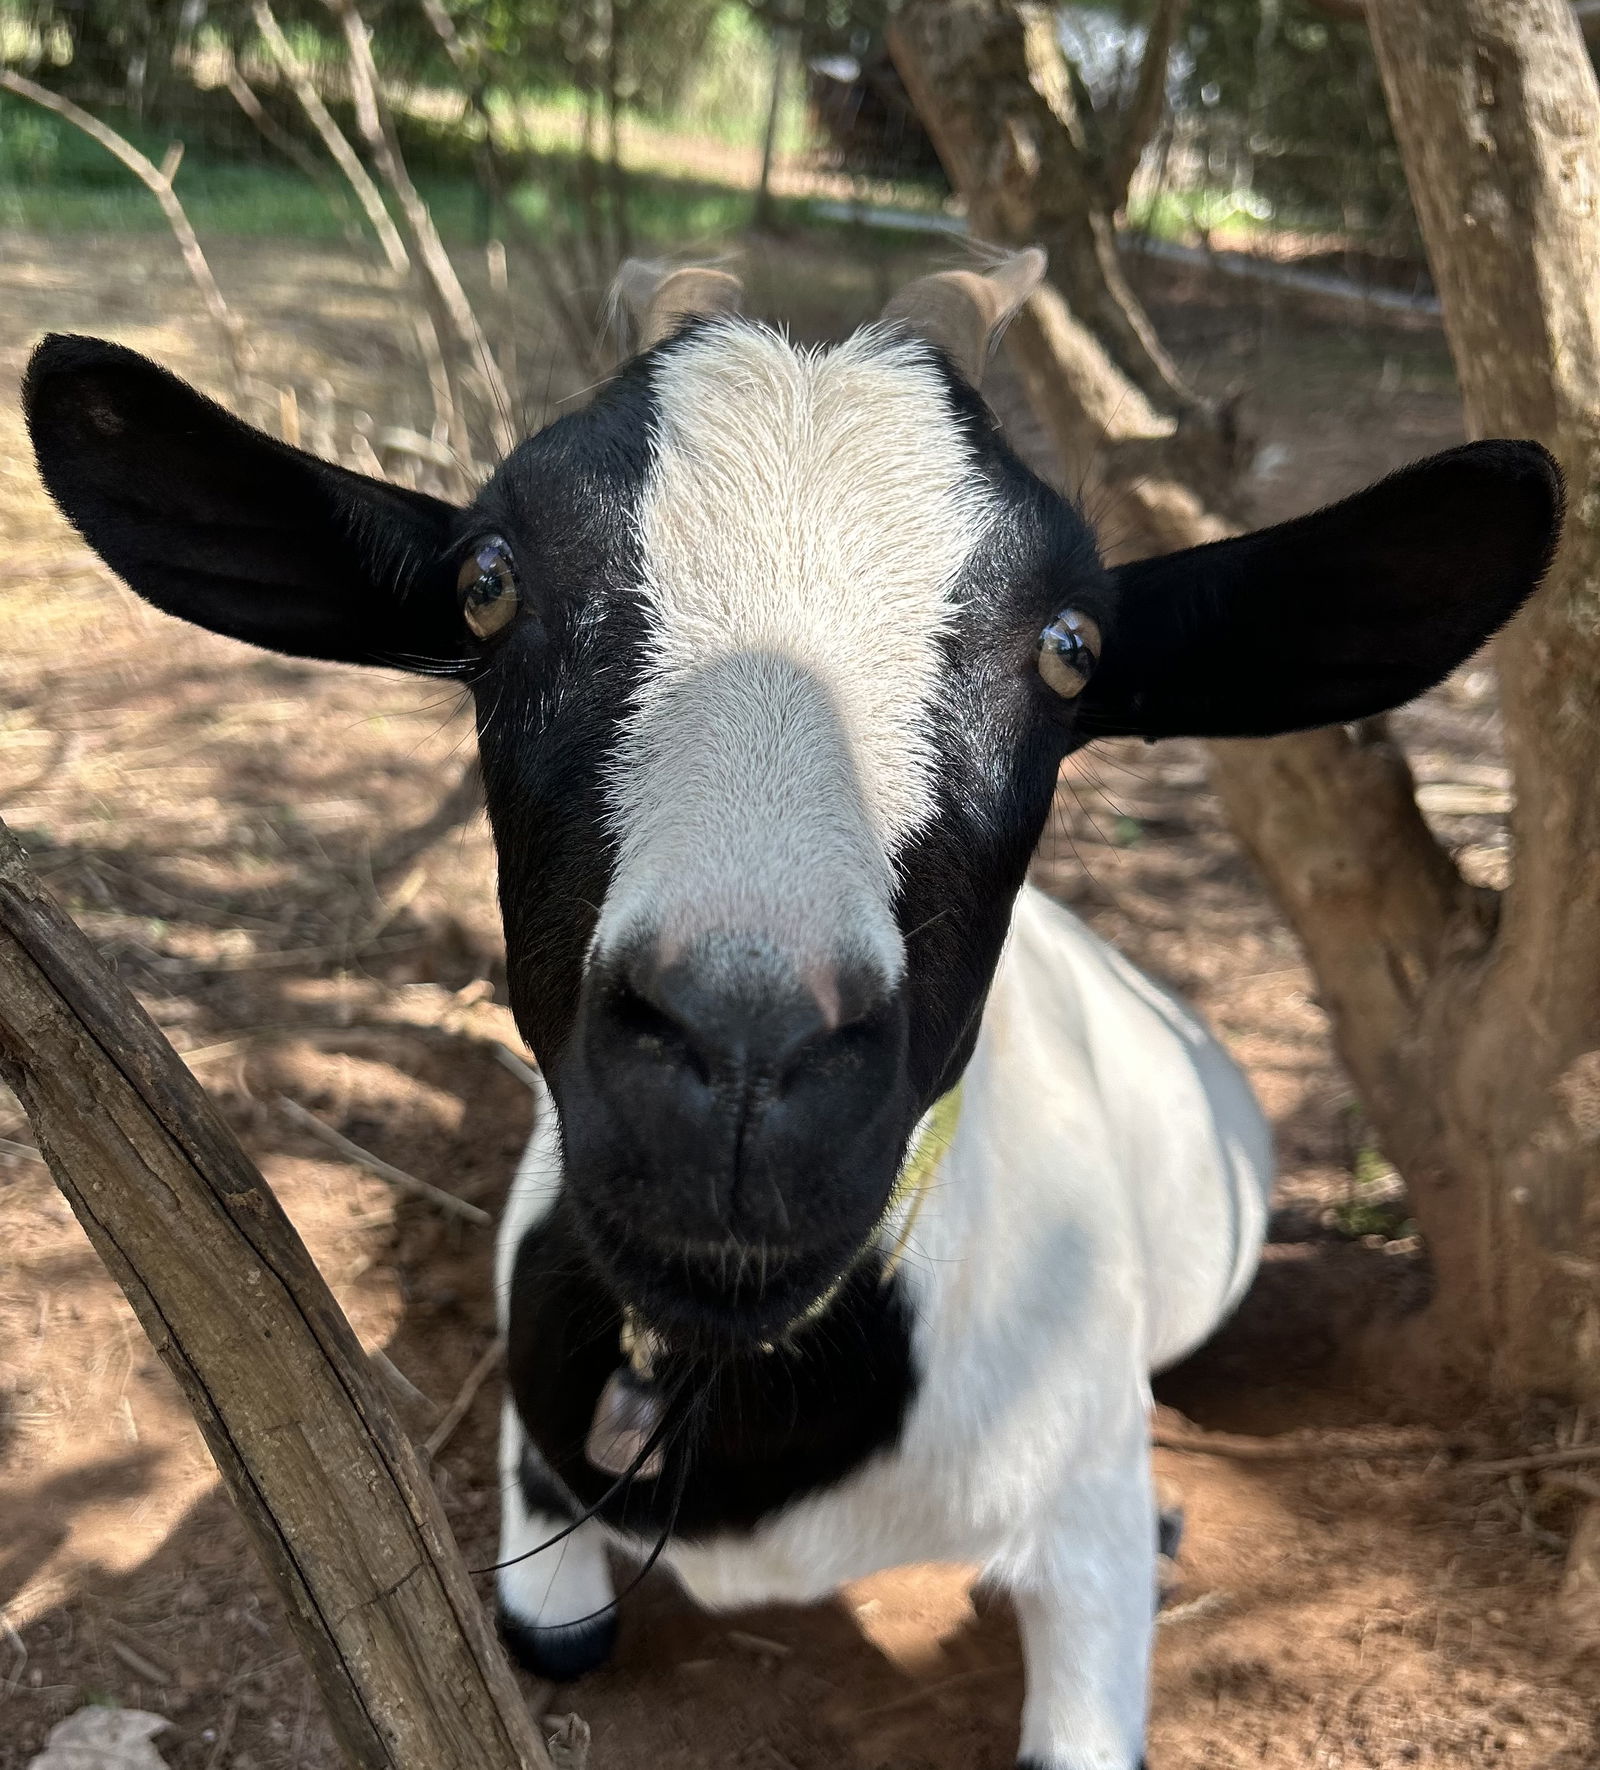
[[723, 1297]]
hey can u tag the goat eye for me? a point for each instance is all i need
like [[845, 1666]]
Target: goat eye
[[488, 587], [1069, 648]]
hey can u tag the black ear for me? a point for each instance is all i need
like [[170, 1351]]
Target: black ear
[[1336, 616], [224, 526]]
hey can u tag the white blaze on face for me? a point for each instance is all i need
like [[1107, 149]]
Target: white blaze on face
[[802, 530]]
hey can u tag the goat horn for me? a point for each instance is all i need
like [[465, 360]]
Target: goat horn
[[661, 300], [964, 311]]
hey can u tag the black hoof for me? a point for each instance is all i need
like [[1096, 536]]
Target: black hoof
[[559, 1654]]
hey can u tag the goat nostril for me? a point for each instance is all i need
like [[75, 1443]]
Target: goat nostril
[[720, 1021], [649, 1025]]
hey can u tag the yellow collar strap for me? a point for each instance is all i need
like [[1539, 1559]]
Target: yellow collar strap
[[934, 1136], [642, 1346], [917, 1174]]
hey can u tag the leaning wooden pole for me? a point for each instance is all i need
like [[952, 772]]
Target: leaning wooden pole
[[328, 1485]]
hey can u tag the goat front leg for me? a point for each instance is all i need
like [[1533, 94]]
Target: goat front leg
[[1084, 1591], [555, 1606]]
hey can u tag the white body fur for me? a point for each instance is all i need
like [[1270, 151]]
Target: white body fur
[[1099, 1211]]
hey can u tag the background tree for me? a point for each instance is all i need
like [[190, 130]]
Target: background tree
[[1469, 1019]]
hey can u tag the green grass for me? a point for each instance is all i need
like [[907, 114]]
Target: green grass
[[56, 180], [1375, 1202]]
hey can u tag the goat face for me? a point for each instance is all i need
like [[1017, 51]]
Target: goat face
[[767, 726], [785, 721]]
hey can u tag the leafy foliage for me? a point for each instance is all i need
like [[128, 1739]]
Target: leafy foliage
[[1286, 103]]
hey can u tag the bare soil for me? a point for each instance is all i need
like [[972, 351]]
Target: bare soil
[[231, 827]]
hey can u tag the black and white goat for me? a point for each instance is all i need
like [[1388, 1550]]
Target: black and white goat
[[870, 1187]]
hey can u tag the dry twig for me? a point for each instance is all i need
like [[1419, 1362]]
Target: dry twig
[[441, 1435], [158, 181], [435, 1195], [1405, 1441], [450, 298], [1540, 1459], [446, 413], [508, 1059]]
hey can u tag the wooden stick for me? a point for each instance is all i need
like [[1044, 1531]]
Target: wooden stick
[[1539, 1459], [364, 1158], [441, 1435], [508, 1059], [329, 1487], [1562, 1481], [1406, 1441], [244, 95], [158, 181]]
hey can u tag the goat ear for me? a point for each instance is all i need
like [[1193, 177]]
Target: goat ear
[[1336, 616], [222, 525]]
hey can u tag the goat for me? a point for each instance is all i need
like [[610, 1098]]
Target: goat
[[868, 1187]]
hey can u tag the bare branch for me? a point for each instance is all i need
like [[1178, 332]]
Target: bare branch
[[1496, 112], [333, 138], [245, 97], [158, 181], [441, 1435], [580, 333], [367, 194], [1330, 818], [993, 89], [397, 1177], [377, 128], [616, 173]]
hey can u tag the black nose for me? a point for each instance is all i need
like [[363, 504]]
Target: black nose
[[728, 1016], [724, 1081]]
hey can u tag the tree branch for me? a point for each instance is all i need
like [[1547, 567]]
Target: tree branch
[[1330, 818], [158, 181], [377, 128], [446, 408], [1496, 111], [468, 63], [245, 97], [330, 1489], [993, 89], [1142, 116]]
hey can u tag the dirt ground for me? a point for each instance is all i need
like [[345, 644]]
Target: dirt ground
[[232, 829]]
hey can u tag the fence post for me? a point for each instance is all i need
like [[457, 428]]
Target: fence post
[[330, 1489]]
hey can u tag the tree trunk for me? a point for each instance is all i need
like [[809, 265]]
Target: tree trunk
[[1497, 114], [1470, 1026], [993, 89], [1147, 103]]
